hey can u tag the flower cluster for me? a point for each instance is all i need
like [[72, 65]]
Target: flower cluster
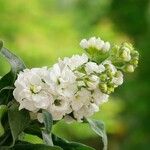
[[95, 43], [74, 87], [125, 57]]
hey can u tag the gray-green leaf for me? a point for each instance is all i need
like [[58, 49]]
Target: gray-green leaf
[[48, 121], [17, 65], [47, 138], [18, 121], [99, 128]]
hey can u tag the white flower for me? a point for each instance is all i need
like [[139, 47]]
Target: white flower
[[118, 79], [61, 74], [60, 108], [75, 61], [68, 119], [81, 84], [79, 74], [93, 82], [91, 109], [62, 80], [85, 111], [101, 68], [91, 67], [126, 54], [84, 44], [96, 43], [111, 66], [82, 97], [31, 90], [99, 97], [42, 72]]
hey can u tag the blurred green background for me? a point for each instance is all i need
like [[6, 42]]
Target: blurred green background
[[41, 31]]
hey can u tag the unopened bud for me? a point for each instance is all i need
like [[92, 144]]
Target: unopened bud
[[129, 68], [110, 90], [126, 54], [103, 87], [103, 77], [134, 62], [110, 73], [135, 54]]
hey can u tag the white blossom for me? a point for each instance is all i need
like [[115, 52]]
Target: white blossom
[[99, 97], [96, 43], [91, 67], [60, 108], [62, 80], [31, 91], [81, 98], [85, 111], [93, 82], [126, 54], [75, 61], [110, 65], [118, 79]]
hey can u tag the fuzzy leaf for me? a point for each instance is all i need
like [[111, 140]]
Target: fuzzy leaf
[[8, 80], [48, 121], [47, 138], [99, 128], [18, 121]]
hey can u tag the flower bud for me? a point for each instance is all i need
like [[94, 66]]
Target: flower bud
[[103, 77], [95, 43], [110, 90], [97, 49], [129, 68], [110, 73], [134, 62], [125, 55], [103, 87]]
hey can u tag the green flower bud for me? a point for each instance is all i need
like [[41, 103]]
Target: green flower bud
[[110, 73], [128, 45], [135, 54], [103, 87], [103, 77], [134, 62], [124, 57], [107, 67], [125, 54], [129, 68], [115, 50], [110, 90]]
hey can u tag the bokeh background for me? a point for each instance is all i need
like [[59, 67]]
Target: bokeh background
[[40, 31]]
